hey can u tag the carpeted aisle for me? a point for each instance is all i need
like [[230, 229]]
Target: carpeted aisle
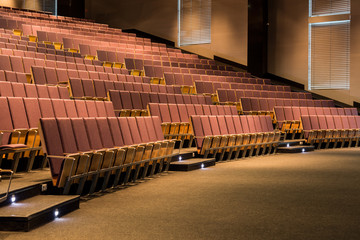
[[300, 196]]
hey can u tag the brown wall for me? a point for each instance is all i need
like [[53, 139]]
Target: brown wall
[[27, 4], [159, 17], [288, 33], [288, 46]]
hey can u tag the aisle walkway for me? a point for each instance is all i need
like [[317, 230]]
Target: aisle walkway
[[303, 196]]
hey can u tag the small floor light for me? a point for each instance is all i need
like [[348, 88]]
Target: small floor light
[[56, 213], [13, 198], [202, 165], [303, 150], [180, 158], [288, 145]]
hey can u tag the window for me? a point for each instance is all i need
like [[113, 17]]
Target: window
[[329, 44], [194, 22], [329, 7]]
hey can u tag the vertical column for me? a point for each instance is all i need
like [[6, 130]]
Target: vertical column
[[71, 8], [257, 37]]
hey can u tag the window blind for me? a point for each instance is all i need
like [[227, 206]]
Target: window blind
[[330, 55], [329, 7], [194, 19], [329, 44]]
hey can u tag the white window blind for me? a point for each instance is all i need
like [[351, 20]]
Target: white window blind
[[194, 20], [329, 7], [330, 55], [329, 45]]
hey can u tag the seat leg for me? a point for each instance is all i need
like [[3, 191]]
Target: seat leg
[[81, 185], [244, 152], [127, 174], [106, 180], [230, 154], [117, 177], [168, 161], [270, 149], [222, 155], [153, 167], [237, 153], [206, 154], [15, 161], [94, 183], [146, 168], [137, 170], [251, 151], [342, 143], [258, 150], [45, 161], [67, 187], [31, 160]]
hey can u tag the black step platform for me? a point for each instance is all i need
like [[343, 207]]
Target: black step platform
[[36, 211], [192, 164], [295, 149], [30, 203], [184, 154], [287, 143]]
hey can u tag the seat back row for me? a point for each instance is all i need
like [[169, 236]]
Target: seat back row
[[20, 117], [288, 118], [47, 49], [14, 89], [232, 96], [24, 64], [331, 129], [158, 71], [180, 113], [284, 114], [44, 52], [87, 88], [88, 148], [111, 56], [186, 79], [211, 87], [235, 133], [54, 76], [127, 46], [125, 101], [24, 113], [253, 105], [139, 63]]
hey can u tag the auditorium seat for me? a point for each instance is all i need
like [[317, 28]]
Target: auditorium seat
[[84, 144]]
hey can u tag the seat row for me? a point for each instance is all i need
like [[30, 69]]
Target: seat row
[[83, 150], [25, 45], [266, 105], [119, 57], [58, 35], [90, 48], [14, 89], [158, 71], [175, 118], [49, 57], [10, 22], [258, 84], [234, 136], [20, 118], [139, 62], [233, 96], [24, 64], [54, 76], [128, 103], [326, 131], [288, 118], [98, 89]]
